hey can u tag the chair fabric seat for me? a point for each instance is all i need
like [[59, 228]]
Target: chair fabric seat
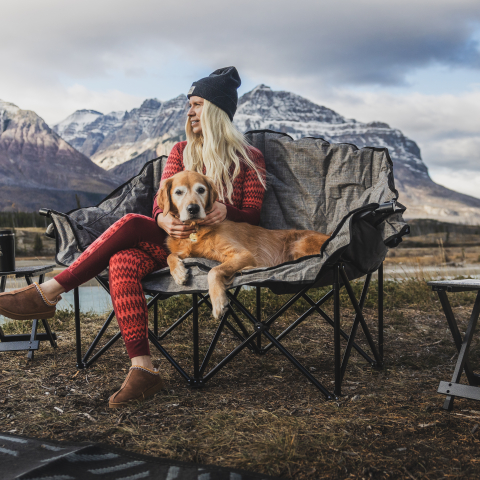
[[312, 184]]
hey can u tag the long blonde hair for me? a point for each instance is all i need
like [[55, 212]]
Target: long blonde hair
[[218, 147]]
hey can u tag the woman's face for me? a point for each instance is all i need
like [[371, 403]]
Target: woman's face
[[196, 107]]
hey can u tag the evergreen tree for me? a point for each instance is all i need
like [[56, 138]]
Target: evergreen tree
[[38, 245]]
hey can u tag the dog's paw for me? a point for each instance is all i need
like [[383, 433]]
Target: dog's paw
[[180, 274], [219, 306]]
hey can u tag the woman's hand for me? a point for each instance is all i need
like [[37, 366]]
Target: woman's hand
[[174, 227], [216, 215]]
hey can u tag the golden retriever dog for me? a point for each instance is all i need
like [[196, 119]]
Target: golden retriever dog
[[237, 246]]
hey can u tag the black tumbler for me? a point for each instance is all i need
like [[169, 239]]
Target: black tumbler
[[7, 251]]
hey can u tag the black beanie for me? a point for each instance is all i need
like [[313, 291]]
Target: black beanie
[[220, 88]]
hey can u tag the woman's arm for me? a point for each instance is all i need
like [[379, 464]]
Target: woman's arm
[[246, 215], [173, 226], [174, 165], [253, 192]]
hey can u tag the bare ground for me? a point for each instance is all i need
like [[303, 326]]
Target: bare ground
[[259, 413]]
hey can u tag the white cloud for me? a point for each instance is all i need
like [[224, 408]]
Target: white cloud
[[464, 181], [59, 56], [78, 96], [349, 42], [54, 104]]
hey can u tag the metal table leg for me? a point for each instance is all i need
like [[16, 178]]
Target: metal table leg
[[453, 388]]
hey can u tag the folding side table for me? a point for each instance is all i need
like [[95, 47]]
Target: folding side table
[[31, 341], [454, 388]]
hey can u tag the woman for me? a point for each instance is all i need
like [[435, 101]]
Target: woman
[[134, 245]]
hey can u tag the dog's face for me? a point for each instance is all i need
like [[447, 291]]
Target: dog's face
[[188, 195]]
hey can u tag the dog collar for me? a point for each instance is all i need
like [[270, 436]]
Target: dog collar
[[193, 236]]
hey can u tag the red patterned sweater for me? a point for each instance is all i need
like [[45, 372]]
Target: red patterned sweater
[[247, 196]]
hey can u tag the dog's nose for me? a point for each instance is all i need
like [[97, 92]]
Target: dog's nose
[[193, 209]]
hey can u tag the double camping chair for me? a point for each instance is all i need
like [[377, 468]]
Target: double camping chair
[[311, 184]]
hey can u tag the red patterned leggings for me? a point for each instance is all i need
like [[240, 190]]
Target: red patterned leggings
[[132, 247]]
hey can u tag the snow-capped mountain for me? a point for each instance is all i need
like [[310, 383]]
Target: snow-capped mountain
[[287, 112], [151, 130], [112, 139], [40, 169], [86, 129]]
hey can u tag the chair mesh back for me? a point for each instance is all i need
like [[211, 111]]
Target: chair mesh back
[[313, 184], [79, 228]]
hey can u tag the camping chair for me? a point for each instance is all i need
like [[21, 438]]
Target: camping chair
[[312, 184]]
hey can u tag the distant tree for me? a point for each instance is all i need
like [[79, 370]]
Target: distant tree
[[37, 245]]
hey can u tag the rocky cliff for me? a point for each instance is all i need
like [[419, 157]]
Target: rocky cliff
[[40, 169]]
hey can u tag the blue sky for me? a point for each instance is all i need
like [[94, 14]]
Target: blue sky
[[412, 64]]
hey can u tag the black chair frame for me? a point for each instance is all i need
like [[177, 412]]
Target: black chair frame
[[253, 341]]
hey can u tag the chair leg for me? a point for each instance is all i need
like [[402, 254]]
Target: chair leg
[[297, 364], [262, 328], [380, 313], [106, 347], [258, 291], [217, 334], [155, 318], [214, 342], [33, 337], [169, 358], [358, 311], [45, 323], [98, 337], [331, 323], [231, 356], [240, 336], [181, 319], [336, 331], [356, 322], [196, 360], [78, 336]]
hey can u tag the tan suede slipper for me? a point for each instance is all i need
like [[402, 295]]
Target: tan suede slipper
[[27, 303], [140, 384]]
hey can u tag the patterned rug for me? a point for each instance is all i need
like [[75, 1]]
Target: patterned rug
[[33, 459]]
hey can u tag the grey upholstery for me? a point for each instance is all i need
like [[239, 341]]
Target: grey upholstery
[[312, 184]]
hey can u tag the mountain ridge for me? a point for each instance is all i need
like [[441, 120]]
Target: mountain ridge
[[122, 142], [262, 108], [37, 164]]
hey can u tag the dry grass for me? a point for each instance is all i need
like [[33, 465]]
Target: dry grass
[[434, 256], [259, 413]]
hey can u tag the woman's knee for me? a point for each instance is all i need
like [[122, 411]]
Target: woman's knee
[[131, 264], [134, 225], [124, 257], [130, 217]]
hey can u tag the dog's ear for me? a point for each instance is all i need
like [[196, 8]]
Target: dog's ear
[[212, 194], [164, 199]]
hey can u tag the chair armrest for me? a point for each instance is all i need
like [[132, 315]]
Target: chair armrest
[[50, 231], [45, 212], [383, 211]]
